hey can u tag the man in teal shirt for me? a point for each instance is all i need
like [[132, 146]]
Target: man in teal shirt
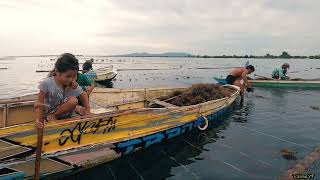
[[84, 82], [280, 72]]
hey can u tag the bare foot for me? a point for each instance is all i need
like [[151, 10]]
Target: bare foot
[[80, 110], [52, 117]]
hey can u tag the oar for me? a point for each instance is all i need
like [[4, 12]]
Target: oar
[[39, 143], [38, 152]]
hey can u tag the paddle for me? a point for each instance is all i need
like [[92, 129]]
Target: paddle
[[39, 142], [38, 152]]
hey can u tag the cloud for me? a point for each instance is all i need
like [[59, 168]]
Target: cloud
[[118, 26]]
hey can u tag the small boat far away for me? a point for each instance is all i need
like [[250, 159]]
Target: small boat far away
[[102, 75]]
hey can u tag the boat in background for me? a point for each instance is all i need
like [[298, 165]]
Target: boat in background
[[102, 75], [297, 83]]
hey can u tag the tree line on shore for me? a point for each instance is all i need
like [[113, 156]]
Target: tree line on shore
[[284, 55]]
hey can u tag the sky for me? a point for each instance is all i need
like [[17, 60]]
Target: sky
[[107, 27]]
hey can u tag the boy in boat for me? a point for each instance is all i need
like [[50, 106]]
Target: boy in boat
[[280, 72], [238, 74], [84, 82], [59, 92], [87, 70]]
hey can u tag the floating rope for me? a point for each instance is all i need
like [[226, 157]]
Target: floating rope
[[275, 137]]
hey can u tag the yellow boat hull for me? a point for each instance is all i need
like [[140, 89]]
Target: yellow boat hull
[[123, 124]]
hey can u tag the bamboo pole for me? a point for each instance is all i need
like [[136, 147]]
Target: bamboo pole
[[302, 165]]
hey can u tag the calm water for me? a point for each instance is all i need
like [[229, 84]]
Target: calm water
[[20, 78], [246, 145]]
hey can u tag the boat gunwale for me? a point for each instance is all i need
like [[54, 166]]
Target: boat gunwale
[[123, 112], [275, 81], [285, 81]]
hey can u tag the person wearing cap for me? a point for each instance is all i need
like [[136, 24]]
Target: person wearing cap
[[87, 66], [280, 72]]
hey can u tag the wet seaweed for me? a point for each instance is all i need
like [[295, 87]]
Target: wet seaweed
[[198, 93], [315, 108], [288, 154]]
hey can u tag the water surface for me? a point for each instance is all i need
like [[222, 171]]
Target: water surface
[[245, 145]]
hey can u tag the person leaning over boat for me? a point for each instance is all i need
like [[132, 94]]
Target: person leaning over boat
[[84, 82], [280, 72], [238, 74], [59, 92]]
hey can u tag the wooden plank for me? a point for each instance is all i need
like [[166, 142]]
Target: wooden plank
[[19, 113], [154, 93], [8, 149], [161, 103], [136, 105], [3, 113], [91, 156], [48, 166], [31, 97], [7, 173]]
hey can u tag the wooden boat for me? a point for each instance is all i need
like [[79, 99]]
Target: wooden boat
[[102, 75], [299, 83], [121, 123]]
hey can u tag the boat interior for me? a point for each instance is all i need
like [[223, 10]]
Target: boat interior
[[20, 110]]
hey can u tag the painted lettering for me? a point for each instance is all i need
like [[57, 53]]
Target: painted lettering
[[87, 127], [144, 142], [128, 145], [153, 139], [173, 132]]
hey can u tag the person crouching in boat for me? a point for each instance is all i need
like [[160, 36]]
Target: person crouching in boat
[[238, 74], [280, 72], [84, 82], [59, 92]]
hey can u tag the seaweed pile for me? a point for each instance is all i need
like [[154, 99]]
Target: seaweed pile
[[198, 93], [288, 154]]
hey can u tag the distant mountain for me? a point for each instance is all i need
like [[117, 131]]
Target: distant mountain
[[144, 54]]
